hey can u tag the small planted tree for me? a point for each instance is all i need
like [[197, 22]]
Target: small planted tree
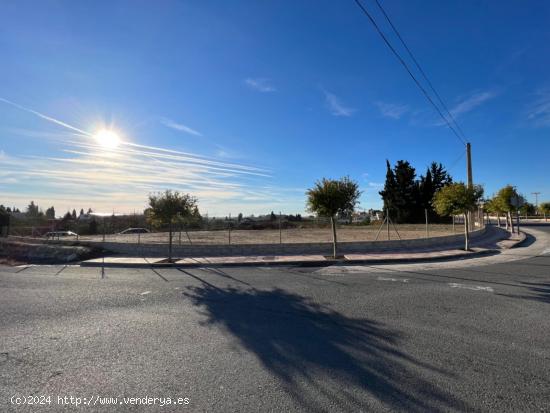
[[505, 200], [168, 208], [492, 206], [330, 197], [458, 199]]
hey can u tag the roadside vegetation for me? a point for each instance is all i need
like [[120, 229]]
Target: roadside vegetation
[[458, 199], [330, 197], [410, 201]]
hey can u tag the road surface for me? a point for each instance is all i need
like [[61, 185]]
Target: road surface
[[466, 336]]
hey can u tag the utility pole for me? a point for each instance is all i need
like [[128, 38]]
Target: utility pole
[[469, 173], [469, 164], [536, 201]]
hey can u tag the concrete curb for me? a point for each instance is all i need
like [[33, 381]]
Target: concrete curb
[[480, 252], [298, 263], [518, 243]]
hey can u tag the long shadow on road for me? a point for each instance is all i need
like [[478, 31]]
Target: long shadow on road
[[326, 360], [539, 292]]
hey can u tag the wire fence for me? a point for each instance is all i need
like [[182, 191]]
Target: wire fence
[[226, 230]]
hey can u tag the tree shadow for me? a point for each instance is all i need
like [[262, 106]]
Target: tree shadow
[[322, 357], [539, 292]]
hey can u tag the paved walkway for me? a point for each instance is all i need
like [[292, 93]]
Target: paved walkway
[[486, 246]]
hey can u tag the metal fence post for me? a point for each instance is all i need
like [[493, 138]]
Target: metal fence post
[[280, 230], [388, 222], [427, 230]]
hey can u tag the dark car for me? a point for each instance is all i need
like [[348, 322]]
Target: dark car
[[134, 231], [57, 234]]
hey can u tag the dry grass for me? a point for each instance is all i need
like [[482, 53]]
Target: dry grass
[[310, 235]]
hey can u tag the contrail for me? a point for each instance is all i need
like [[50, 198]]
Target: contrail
[[45, 117]]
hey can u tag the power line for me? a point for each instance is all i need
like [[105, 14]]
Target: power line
[[420, 69], [456, 161], [365, 11]]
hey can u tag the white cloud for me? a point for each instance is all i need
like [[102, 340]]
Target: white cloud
[[83, 174], [539, 110], [473, 101], [260, 84], [335, 105], [468, 104], [179, 126], [45, 117], [392, 110]]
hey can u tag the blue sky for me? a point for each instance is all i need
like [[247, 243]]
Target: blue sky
[[246, 103]]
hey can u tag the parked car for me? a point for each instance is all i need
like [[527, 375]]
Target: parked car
[[134, 231], [57, 234]]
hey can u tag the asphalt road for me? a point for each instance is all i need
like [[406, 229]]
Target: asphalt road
[[466, 336]]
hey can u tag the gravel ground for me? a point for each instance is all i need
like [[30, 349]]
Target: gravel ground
[[365, 233]]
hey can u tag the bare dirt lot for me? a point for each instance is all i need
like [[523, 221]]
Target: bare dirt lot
[[363, 233]]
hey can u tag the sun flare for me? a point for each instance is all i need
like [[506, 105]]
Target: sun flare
[[107, 139]]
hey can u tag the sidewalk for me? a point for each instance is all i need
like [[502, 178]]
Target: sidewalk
[[487, 246]]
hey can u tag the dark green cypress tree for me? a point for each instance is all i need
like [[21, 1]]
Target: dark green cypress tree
[[407, 193], [440, 176], [388, 194]]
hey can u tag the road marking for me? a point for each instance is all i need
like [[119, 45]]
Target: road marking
[[145, 293], [546, 251], [403, 280], [471, 287]]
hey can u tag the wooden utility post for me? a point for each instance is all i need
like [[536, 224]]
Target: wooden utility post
[[469, 164], [469, 175]]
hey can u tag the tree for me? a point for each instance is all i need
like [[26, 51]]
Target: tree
[[436, 178], [456, 199], [545, 208], [73, 215], [440, 177], [239, 217], [388, 194], [89, 211], [50, 213], [492, 206], [427, 192], [32, 210], [505, 200], [81, 212], [527, 209], [402, 195], [4, 220], [409, 209], [168, 207], [330, 197], [92, 227]]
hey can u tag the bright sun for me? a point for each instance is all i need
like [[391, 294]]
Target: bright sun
[[107, 139]]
